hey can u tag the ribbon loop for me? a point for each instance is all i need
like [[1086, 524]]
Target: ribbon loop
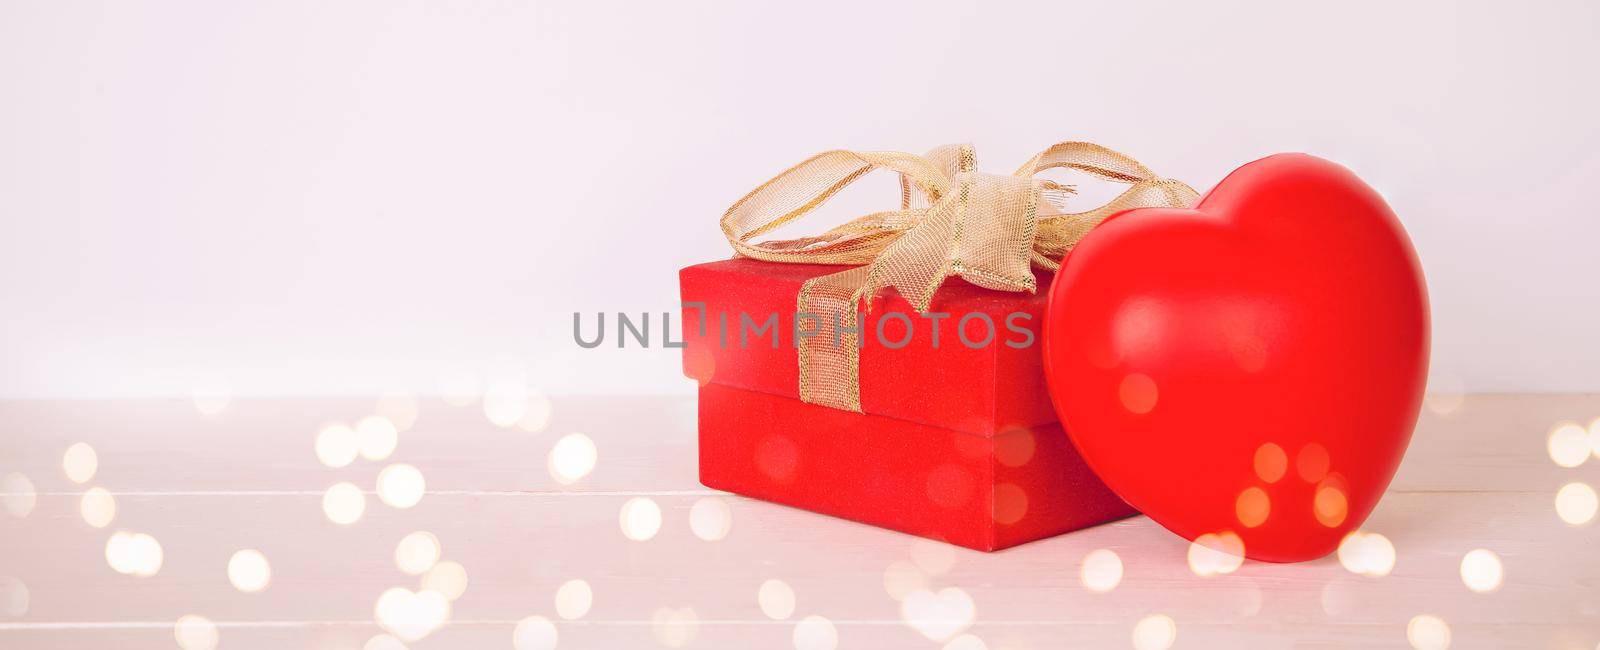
[[989, 229]]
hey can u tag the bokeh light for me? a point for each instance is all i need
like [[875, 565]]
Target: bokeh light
[[1216, 554], [938, 615], [710, 519], [815, 633], [401, 485], [902, 578], [14, 597], [1101, 571], [97, 507], [376, 437], [1010, 503], [699, 364], [80, 463], [1576, 503], [117, 555], [572, 458], [1015, 448], [1426, 632], [1340, 597], [383, 642], [1312, 462], [1252, 507], [1481, 570], [401, 409], [448, 578], [1155, 632], [1446, 393], [1368, 554], [211, 395], [147, 555], [1568, 444], [933, 558], [19, 495], [1138, 393], [195, 633], [337, 445], [1594, 444], [1330, 505], [776, 599], [1270, 462], [1244, 598], [416, 553], [411, 615], [344, 503], [135, 554], [538, 413], [534, 633], [966, 642], [778, 457], [505, 404], [249, 571], [573, 599], [640, 518], [674, 627]]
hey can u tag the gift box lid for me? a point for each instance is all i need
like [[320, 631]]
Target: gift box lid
[[989, 381]]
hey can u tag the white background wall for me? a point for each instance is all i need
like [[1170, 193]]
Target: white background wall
[[316, 197]]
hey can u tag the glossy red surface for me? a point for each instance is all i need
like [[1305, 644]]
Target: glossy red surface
[[1254, 365]]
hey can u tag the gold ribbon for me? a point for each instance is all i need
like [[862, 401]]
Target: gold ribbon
[[990, 229]]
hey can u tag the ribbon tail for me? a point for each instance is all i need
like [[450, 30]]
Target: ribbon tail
[[830, 348]]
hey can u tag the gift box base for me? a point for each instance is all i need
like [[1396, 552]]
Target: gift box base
[[981, 492]]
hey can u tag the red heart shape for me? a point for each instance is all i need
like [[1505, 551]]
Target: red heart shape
[[1254, 365]]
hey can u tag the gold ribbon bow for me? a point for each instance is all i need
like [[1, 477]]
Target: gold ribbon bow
[[989, 229]]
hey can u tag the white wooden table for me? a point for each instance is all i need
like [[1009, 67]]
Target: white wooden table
[[1478, 475]]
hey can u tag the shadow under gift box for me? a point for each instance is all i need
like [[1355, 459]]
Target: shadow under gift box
[[955, 443]]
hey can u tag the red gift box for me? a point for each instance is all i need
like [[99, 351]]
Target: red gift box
[[956, 441]]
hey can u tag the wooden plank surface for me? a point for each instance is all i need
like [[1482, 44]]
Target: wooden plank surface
[[1478, 475]]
